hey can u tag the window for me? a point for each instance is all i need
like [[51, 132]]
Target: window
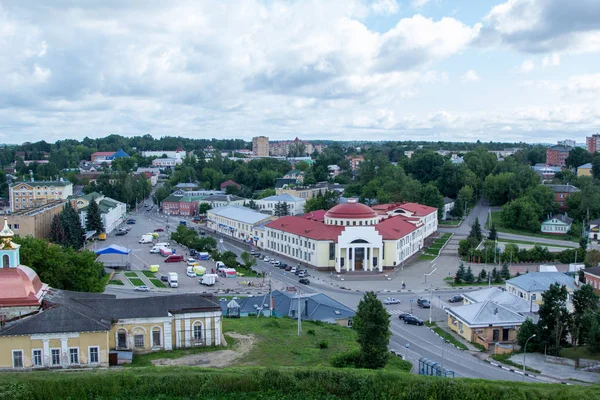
[[94, 355], [17, 358], [197, 332], [36, 358], [138, 341], [331, 251], [74, 355], [122, 339], [55, 356], [156, 337], [16, 227], [5, 261]]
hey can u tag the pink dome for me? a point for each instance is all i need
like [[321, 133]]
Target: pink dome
[[19, 286], [351, 211]]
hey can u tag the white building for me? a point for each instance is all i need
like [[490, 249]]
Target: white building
[[166, 162], [353, 236], [295, 204], [558, 224], [238, 222], [448, 206], [222, 200], [530, 286], [178, 154], [113, 212]]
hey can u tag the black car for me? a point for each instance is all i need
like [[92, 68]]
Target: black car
[[164, 278], [131, 221], [202, 233], [304, 281], [403, 315], [283, 266], [257, 255], [423, 303], [121, 233], [412, 320], [457, 298], [297, 271]]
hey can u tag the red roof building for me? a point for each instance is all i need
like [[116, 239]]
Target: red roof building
[[353, 236], [229, 183]]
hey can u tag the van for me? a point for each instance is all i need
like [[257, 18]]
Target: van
[[156, 249], [219, 265], [174, 258], [145, 239], [163, 244]]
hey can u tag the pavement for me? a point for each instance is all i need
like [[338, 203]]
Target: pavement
[[556, 371]]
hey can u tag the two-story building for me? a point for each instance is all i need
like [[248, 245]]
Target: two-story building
[[180, 205], [24, 195], [559, 224], [221, 200], [295, 204], [585, 170], [112, 212], [237, 221], [562, 192], [592, 278], [530, 286]]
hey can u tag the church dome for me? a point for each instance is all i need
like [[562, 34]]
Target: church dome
[[351, 210], [20, 286]]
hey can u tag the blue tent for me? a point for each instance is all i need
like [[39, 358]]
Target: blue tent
[[113, 249]]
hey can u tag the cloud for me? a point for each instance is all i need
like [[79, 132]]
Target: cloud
[[527, 66], [470, 76], [543, 26], [419, 3], [386, 7], [551, 60]]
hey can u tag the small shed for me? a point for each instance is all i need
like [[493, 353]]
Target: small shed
[[233, 309]]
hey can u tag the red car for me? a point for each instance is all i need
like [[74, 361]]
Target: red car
[[174, 258], [159, 230]]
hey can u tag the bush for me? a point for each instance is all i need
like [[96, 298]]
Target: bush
[[311, 332], [348, 359], [323, 344]]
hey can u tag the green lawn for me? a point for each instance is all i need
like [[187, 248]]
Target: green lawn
[[446, 235], [131, 274], [534, 243], [426, 257], [136, 282], [149, 274], [277, 342], [447, 336], [105, 278], [450, 281], [157, 283], [497, 220], [578, 352], [115, 282], [456, 222]]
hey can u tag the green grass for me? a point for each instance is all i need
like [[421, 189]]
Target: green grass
[[504, 358], [136, 282], [498, 222], [578, 352], [450, 281], [157, 283], [149, 274], [426, 257], [105, 279], [478, 346], [534, 243], [115, 282], [456, 222], [446, 235], [447, 336], [434, 251], [131, 274]]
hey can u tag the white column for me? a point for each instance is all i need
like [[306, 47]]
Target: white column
[[337, 258], [177, 332], [187, 332], [366, 259], [167, 336], [380, 259], [64, 350], [46, 352], [347, 259], [208, 332], [217, 331]]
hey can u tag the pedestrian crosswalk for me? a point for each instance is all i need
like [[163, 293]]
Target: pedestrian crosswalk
[[396, 312]]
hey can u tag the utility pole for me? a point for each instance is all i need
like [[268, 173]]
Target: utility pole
[[430, 300]]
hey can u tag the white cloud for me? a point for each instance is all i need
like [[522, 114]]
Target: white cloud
[[385, 6], [419, 3], [551, 60], [470, 76], [527, 66]]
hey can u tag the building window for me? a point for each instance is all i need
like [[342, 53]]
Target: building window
[[197, 332], [156, 337], [122, 339], [74, 355], [17, 358], [16, 227], [55, 356], [94, 355], [331, 251], [5, 261], [36, 358], [138, 341]]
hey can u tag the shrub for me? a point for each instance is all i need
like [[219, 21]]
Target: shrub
[[348, 359], [311, 332], [323, 344]]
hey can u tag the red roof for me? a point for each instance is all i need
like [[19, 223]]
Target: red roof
[[418, 209], [19, 286], [318, 215], [395, 228], [351, 210], [307, 228], [228, 183], [179, 149], [103, 153]]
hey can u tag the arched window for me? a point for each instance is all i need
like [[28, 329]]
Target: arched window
[[156, 337], [197, 332], [5, 261]]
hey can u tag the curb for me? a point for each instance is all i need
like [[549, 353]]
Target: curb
[[514, 370], [445, 341]]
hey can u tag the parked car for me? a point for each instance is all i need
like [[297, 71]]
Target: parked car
[[304, 281], [302, 274], [159, 230], [297, 271], [202, 233], [293, 270], [131, 221], [288, 268], [125, 229], [257, 255], [423, 303], [391, 300], [174, 258], [457, 298], [273, 261], [142, 289], [164, 278], [121, 233], [252, 252], [412, 320], [266, 259], [404, 314], [276, 263]]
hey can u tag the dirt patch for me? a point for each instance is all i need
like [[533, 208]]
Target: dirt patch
[[214, 359]]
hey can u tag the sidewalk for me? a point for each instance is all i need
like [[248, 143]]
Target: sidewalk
[[556, 371]]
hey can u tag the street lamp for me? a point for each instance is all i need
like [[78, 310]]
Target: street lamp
[[525, 352]]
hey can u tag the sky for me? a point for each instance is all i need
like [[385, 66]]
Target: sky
[[450, 70]]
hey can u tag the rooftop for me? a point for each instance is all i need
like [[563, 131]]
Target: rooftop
[[568, 188], [502, 297], [239, 213], [560, 147], [588, 166], [593, 271], [351, 209], [283, 197], [486, 314], [541, 281]]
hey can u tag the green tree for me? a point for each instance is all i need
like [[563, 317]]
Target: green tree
[[71, 225], [495, 276], [229, 258], [592, 258], [578, 156], [482, 277], [476, 230], [593, 335], [584, 300], [460, 274], [372, 323], [94, 218], [505, 272], [465, 194], [527, 330], [57, 233], [203, 208], [554, 318], [469, 277], [248, 259], [493, 234], [522, 213]]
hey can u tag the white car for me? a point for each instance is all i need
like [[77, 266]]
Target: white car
[[277, 263], [142, 289], [274, 262], [391, 300], [266, 259], [192, 262], [191, 274]]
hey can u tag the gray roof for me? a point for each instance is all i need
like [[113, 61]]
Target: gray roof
[[485, 314], [588, 165], [541, 281], [502, 297], [239, 213], [563, 188], [222, 197], [281, 182], [283, 197], [448, 200], [594, 271], [186, 185], [561, 148], [561, 217]]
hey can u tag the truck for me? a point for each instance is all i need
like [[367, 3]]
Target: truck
[[209, 279], [145, 239], [220, 265], [203, 256], [173, 279], [165, 252]]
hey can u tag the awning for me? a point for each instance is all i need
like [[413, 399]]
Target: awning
[[113, 249]]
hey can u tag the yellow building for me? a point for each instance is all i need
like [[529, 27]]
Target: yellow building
[[37, 193], [585, 170], [36, 221], [238, 222], [46, 328]]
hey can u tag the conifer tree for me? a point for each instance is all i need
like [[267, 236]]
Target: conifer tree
[[469, 278], [493, 234], [94, 218]]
